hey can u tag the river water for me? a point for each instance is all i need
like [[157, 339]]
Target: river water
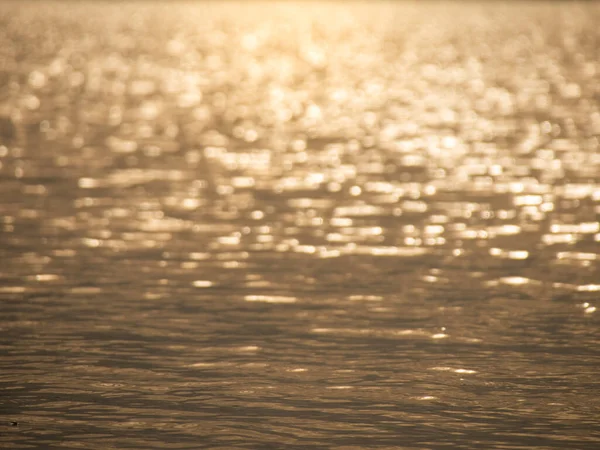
[[281, 225]]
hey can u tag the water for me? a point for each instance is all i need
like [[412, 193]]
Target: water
[[299, 225]]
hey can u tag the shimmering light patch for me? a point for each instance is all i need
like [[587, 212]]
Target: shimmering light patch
[[47, 277], [37, 79], [29, 213], [199, 256], [35, 189], [504, 230], [329, 253], [341, 222], [551, 239], [581, 256], [380, 309], [565, 286], [426, 397], [339, 237], [450, 369], [506, 214], [243, 182], [113, 212], [414, 206], [433, 229], [407, 332], [576, 191], [88, 183], [34, 258], [430, 278], [249, 348], [118, 145], [381, 187], [472, 234], [235, 256], [429, 190], [434, 241], [322, 330], [30, 102], [355, 191], [439, 336], [202, 283], [363, 231], [509, 254], [583, 228], [202, 364], [515, 281], [132, 177], [229, 240], [142, 87], [144, 238], [589, 288], [89, 242], [12, 289], [233, 265], [164, 224], [587, 308], [297, 370], [190, 203], [386, 251], [339, 387], [465, 371], [258, 283], [64, 253], [270, 298], [547, 207], [257, 215], [528, 200], [365, 298], [311, 181], [358, 211], [334, 186], [310, 249]]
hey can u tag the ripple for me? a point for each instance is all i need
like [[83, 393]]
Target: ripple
[[382, 225]]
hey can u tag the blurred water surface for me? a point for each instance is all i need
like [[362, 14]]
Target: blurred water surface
[[265, 225]]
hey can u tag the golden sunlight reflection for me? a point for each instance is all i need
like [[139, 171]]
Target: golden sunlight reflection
[[350, 221], [269, 298]]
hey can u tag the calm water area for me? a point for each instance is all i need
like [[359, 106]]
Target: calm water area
[[292, 225]]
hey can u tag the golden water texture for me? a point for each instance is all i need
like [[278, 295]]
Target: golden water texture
[[299, 225]]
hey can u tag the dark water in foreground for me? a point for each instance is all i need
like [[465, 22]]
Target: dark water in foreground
[[299, 226]]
